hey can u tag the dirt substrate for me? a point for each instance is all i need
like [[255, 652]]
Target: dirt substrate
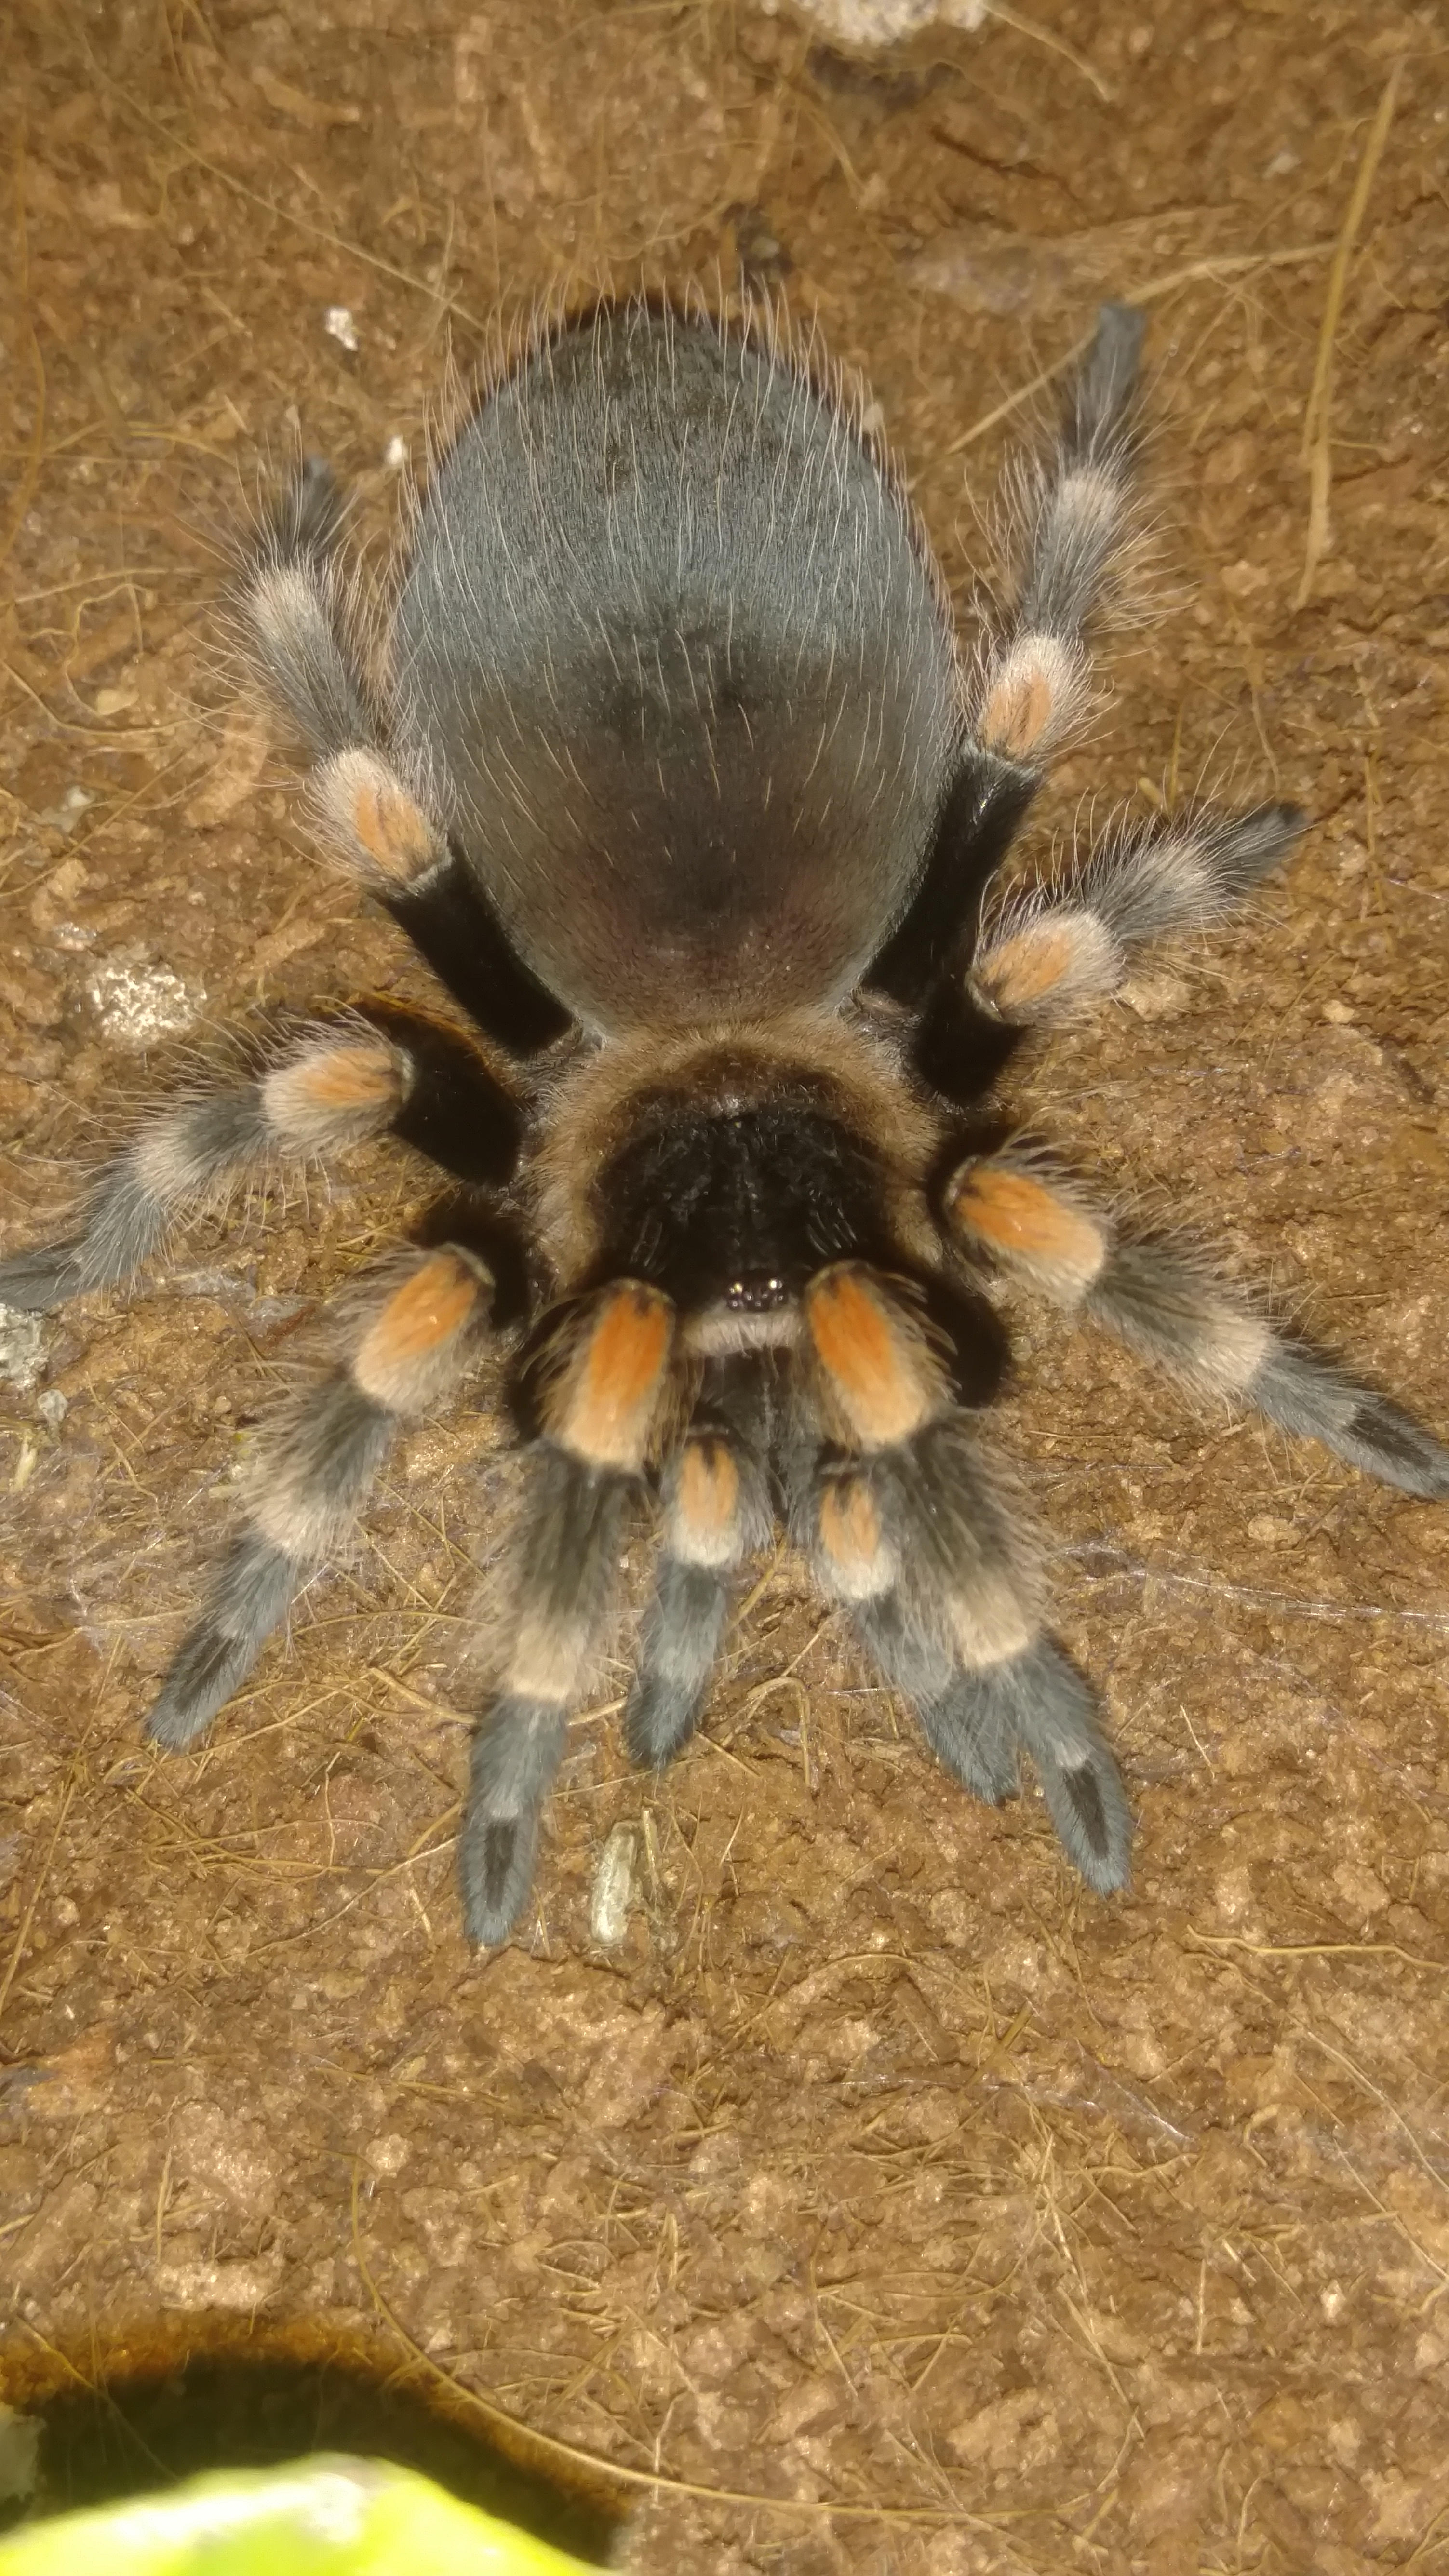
[[876, 2165]]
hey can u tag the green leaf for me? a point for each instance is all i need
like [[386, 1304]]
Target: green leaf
[[315, 2517]]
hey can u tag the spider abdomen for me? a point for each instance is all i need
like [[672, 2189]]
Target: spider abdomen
[[678, 665]]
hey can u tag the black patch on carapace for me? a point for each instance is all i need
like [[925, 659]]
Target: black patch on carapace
[[741, 1208], [978, 821], [452, 924]]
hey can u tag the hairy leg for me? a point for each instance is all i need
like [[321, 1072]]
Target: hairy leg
[[323, 1088], [913, 1529], [311, 1469], [1071, 517], [1057, 950], [607, 1403], [304, 626], [1166, 1301], [716, 1514]]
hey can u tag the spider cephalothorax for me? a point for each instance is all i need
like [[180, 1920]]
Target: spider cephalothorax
[[665, 759]]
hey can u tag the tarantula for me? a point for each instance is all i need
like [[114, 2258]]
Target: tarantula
[[667, 761]]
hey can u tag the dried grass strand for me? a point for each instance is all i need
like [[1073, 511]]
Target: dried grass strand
[[35, 453], [1198, 272], [1317, 1949], [521, 2437], [1317, 446], [22, 1937], [435, 294], [1054, 44]]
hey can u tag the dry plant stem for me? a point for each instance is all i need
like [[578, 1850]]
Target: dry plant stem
[[31, 474], [23, 1935], [1054, 44], [1317, 449], [1428, 2543], [96, 2387], [282, 214], [1198, 272], [1317, 1949], [547, 2446]]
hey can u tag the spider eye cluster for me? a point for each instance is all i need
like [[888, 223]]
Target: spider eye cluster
[[756, 1292]]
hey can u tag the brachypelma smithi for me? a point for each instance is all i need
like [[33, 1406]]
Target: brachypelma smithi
[[666, 758]]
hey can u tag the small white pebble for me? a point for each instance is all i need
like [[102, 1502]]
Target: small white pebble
[[885, 22], [22, 1347], [395, 455], [613, 1888], [339, 322], [138, 1003], [67, 811], [388, 2154], [53, 1407], [1281, 165]]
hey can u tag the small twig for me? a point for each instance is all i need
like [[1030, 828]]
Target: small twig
[[1197, 272], [1430, 2261], [100, 2391], [1317, 447], [1122, 1568], [1379, 2095], [1054, 44], [28, 1917], [31, 474], [269, 205], [519, 2436], [1427, 2542], [1316, 1949]]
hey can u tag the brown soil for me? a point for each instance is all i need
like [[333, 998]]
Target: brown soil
[[878, 2167]]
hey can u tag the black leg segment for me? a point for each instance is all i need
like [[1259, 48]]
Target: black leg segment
[[455, 928]]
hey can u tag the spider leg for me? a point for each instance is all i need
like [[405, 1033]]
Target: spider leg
[[912, 1529], [1058, 950], [603, 1417], [311, 1470], [302, 619], [1037, 1700], [327, 1087], [1033, 677], [716, 1513], [1167, 1302], [301, 614]]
